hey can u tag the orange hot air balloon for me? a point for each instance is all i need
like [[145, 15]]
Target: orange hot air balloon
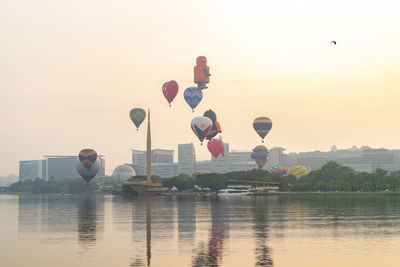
[[201, 73]]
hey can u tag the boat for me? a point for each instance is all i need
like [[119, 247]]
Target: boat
[[233, 192]]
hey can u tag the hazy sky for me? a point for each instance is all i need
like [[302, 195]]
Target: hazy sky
[[70, 71]]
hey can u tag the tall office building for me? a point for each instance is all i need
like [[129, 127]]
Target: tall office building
[[277, 157], [186, 159], [32, 169], [162, 162], [59, 167], [221, 163]]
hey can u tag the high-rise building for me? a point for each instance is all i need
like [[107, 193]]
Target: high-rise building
[[59, 167], [221, 163], [277, 157], [162, 162], [164, 170], [32, 169], [162, 156], [186, 159]]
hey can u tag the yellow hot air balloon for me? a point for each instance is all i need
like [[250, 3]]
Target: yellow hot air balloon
[[298, 171], [260, 155]]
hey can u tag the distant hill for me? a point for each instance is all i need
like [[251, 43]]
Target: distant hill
[[8, 180]]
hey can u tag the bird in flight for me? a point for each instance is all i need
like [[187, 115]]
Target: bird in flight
[[334, 42]]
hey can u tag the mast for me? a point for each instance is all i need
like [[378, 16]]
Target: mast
[[148, 156]]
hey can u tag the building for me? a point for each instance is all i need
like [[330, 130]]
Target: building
[[186, 159], [360, 167], [59, 167], [32, 169], [277, 157], [164, 170], [221, 163], [158, 156], [162, 156], [203, 166], [53, 167], [239, 156]]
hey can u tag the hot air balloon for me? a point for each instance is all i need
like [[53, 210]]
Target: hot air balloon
[[201, 73], [201, 126], [88, 173], [262, 125], [170, 89], [298, 171], [193, 96], [87, 157], [282, 171], [216, 147], [137, 116], [260, 155], [216, 128], [210, 114]]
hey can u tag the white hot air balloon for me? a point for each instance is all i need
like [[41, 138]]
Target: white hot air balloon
[[201, 126], [88, 173]]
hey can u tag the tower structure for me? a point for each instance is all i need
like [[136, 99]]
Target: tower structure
[[148, 156]]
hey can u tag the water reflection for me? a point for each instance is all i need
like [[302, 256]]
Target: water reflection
[[60, 216], [197, 231], [262, 251], [87, 220], [212, 254]]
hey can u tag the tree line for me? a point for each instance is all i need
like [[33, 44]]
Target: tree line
[[53, 186], [332, 177]]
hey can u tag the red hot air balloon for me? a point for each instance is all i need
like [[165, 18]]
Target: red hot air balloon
[[216, 147], [170, 90]]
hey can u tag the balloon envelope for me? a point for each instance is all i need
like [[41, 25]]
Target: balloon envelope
[[216, 147], [193, 96], [298, 171], [216, 128], [262, 125], [260, 155], [137, 116], [210, 114], [282, 171], [87, 157], [170, 89], [88, 173], [201, 126]]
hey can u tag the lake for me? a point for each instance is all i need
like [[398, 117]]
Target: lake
[[278, 230]]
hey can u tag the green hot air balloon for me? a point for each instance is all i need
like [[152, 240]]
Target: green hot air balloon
[[137, 116]]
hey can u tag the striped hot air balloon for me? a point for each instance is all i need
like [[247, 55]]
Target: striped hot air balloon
[[262, 125], [260, 155]]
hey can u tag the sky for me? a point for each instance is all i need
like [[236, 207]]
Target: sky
[[70, 72]]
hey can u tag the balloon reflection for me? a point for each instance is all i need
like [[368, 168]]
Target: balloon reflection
[[212, 255], [87, 221]]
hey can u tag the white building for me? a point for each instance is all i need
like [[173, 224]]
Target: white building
[[32, 169], [360, 167], [164, 170], [158, 156], [186, 159], [276, 157]]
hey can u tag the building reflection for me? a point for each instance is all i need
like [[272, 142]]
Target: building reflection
[[186, 220], [212, 254], [60, 215], [139, 260], [262, 251]]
